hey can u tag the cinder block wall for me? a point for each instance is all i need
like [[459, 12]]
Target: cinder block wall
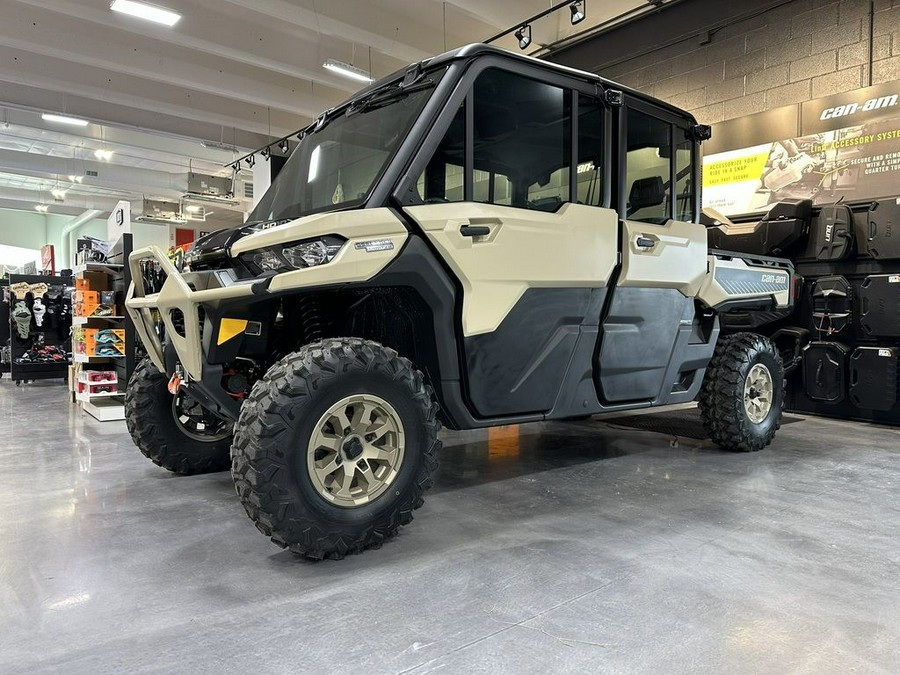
[[796, 52]]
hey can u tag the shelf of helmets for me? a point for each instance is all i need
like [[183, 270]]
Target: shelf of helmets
[[98, 340]]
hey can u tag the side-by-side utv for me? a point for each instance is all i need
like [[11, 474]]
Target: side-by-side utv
[[481, 239]]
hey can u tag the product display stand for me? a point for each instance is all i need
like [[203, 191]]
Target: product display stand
[[39, 327], [103, 335], [5, 355]]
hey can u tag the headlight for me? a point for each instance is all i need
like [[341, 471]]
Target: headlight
[[295, 256]]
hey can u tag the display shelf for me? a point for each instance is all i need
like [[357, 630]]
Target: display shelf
[[83, 320], [109, 268], [84, 397], [104, 409], [84, 358]]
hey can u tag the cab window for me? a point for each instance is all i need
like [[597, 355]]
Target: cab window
[[521, 147], [659, 154]]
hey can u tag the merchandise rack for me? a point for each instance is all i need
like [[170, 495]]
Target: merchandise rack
[[55, 336], [4, 329], [107, 406]]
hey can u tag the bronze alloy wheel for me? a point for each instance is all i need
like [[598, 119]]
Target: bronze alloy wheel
[[356, 450], [758, 393]]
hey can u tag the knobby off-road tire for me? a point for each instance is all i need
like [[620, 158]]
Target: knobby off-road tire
[[155, 430], [276, 462], [738, 414]]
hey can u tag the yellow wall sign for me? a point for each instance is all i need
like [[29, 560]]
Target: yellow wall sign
[[734, 170]]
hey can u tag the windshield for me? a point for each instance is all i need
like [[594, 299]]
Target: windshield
[[338, 164]]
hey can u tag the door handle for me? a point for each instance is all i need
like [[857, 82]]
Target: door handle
[[474, 230], [645, 242]]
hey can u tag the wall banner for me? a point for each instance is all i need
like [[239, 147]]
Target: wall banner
[[848, 146]]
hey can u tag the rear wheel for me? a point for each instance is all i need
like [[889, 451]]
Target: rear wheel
[[175, 432], [335, 447], [742, 395]]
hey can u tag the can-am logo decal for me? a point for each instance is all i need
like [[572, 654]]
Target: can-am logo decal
[[375, 245], [853, 108]]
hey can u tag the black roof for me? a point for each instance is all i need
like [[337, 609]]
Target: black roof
[[480, 49]]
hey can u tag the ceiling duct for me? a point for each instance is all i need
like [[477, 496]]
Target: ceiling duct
[[214, 189], [159, 212]]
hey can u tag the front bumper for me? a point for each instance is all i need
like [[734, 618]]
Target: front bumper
[[178, 304]]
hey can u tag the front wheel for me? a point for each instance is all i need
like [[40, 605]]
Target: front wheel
[[742, 395], [335, 447], [175, 432]]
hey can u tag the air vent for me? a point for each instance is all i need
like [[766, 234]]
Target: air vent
[[92, 174], [248, 190]]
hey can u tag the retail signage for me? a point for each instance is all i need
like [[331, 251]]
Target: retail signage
[[845, 147]]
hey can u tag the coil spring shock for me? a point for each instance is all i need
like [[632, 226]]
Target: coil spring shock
[[311, 319]]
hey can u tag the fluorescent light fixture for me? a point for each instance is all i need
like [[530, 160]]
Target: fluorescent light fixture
[[104, 155], [347, 70], [42, 208], [63, 119], [58, 193], [193, 208], [144, 11]]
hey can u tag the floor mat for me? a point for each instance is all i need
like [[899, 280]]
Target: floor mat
[[683, 423]]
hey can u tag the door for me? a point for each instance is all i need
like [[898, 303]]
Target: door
[[664, 261], [524, 229]]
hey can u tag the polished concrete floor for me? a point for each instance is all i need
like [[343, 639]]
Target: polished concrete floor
[[555, 548]]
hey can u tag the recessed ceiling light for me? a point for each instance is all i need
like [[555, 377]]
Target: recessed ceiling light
[[144, 11], [347, 70], [105, 155], [63, 119]]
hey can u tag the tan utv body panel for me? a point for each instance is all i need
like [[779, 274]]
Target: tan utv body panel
[[735, 279], [574, 247], [677, 258], [354, 262]]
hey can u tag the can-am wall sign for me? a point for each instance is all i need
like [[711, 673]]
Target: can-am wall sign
[[842, 146]]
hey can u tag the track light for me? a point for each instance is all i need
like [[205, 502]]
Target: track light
[[103, 155], [42, 208], [59, 194], [236, 167], [347, 70], [76, 179], [284, 146], [523, 35], [266, 152], [251, 160], [577, 10]]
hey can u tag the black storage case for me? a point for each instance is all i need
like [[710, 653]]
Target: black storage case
[[873, 378], [834, 232], [783, 227], [883, 229], [832, 304], [879, 305], [825, 371]]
